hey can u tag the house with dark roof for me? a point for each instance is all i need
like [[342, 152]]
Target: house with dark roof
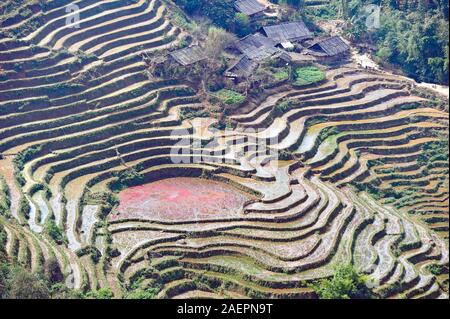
[[251, 8], [188, 56], [284, 34], [256, 47], [331, 47], [243, 68]]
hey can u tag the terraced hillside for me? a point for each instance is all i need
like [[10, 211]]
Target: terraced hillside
[[362, 179]]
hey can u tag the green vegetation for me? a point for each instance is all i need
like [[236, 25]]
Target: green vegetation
[[106, 200], [285, 155], [127, 178], [229, 97], [413, 35], [242, 24], [5, 201], [328, 132], [142, 289], [149, 293], [434, 151], [282, 107], [346, 283], [421, 45], [21, 284], [24, 208], [55, 232], [281, 75], [308, 75], [89, 130], [437, 269], [21, 159], [189, 113], [17, 282], [93, 252], [103, 293], [220, 12]]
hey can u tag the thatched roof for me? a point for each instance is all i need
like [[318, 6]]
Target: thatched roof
[[256, 47], [330, 46], [249, 7], [288, 31], [244, 67], [188, 56]]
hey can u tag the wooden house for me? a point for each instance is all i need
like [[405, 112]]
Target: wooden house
[[251, 8]]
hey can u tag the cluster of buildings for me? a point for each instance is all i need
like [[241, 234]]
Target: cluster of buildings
[[280, 41]]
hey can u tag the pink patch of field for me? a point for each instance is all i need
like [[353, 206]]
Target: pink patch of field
[[181, 198]]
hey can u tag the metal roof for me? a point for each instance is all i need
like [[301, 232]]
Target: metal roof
[[288, 31], [188, 56], [244, 67], [257, 47], [249, 7], [331, 46]]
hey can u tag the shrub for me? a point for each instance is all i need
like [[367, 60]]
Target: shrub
[[92, 251], [285, 155], [346, 283], [53, 271], [282, 107], [328, 132], [127, 178], [229, 97], [24, 208], [54, 232], [281, 75], [149, 293], [5, 202], [437, 269], [188, 113], [103, 293], [25, 285]]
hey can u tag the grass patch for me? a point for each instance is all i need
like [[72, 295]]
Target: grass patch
[[281, 75], [308, 75], [229, 97]]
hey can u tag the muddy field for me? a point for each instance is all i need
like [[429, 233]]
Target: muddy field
[[180, 199]]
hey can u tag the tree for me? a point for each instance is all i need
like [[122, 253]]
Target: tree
[[25, 285], [53, 271], [218, 39], [54, 231], [242, 24], [413, 35], [345, 284], [220, 12]]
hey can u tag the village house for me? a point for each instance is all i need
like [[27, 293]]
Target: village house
[[251, 8], [329, 49], [256, 47], [188, 56], [285, 35], [243, 68]]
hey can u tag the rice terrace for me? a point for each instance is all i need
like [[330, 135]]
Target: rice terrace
[[159, 149]]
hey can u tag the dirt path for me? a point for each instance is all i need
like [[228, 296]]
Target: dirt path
[[364, 60]]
